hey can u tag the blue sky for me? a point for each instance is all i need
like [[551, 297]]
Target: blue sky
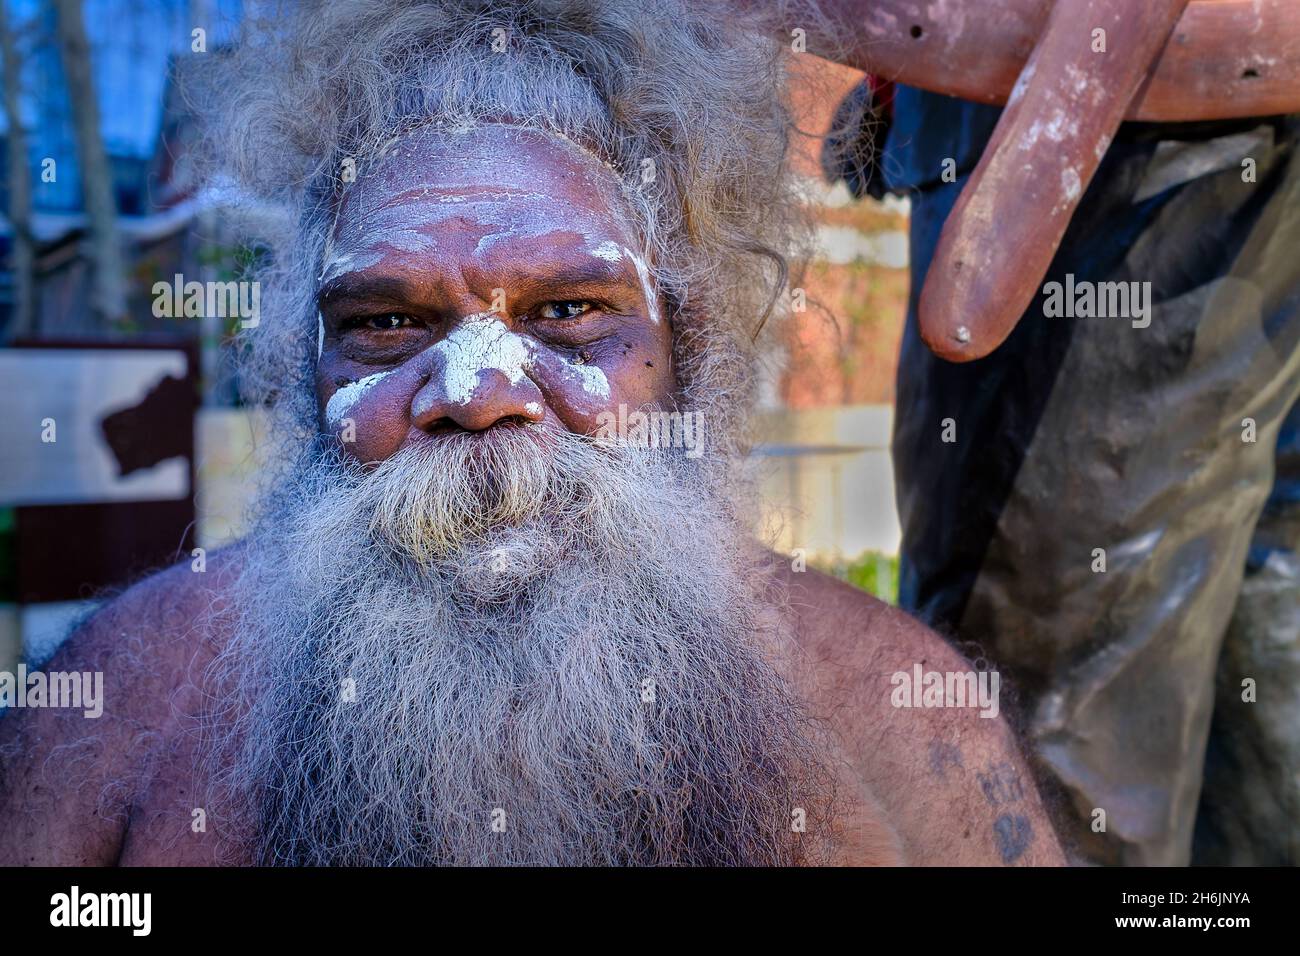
[[131, 42]]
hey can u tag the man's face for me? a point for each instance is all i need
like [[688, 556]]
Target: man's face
[[482, 278], [537, 623]]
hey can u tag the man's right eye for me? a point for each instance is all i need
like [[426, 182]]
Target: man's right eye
[[385, 322]]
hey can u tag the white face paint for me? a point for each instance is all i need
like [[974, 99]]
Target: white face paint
[[609, 251], [510, 227], [341, 265], [401, 230], [404, 213], [341, 402], [643, 273], [510, 214], [481, 342], [591, 378], [320, 335]]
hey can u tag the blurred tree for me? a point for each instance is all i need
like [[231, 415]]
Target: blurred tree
[[22, 255], [109, 293]]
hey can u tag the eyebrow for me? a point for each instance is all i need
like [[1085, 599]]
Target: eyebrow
[[592, 272], [373, 283], [367, 284]]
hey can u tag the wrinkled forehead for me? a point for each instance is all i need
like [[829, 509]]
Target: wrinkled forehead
[[509, 178]]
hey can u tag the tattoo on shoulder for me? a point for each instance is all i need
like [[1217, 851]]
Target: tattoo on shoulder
[[1002, 788], [1001, 784], [1012, 833], [943, 757]]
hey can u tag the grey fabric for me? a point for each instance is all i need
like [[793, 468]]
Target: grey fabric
[[1082, 434], [1250, 801]]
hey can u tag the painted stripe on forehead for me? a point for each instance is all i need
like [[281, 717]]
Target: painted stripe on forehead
[[460, 129], [407, 236]]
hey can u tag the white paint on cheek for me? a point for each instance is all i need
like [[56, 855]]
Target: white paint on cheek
[[591, 378], [320, 335], [341, 402], [479, 343], [643, 273]]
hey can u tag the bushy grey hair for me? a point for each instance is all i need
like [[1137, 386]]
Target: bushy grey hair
[[692, 92]]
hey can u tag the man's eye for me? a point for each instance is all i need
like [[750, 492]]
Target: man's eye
[[385, 322], [570, 309]]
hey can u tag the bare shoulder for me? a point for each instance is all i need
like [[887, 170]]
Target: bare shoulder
[[848, 634], [69, 778], [951, 779]]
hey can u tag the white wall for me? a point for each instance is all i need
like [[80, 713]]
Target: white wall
[[828, 481]]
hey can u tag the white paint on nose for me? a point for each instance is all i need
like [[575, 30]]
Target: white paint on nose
[[479, 343], [482, 342]]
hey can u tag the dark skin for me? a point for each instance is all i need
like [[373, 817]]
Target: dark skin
[[514, 219], [921, 786]]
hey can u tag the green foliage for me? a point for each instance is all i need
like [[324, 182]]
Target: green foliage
[[870, 571]]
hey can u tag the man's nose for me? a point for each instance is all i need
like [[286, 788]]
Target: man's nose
[[475, 378]]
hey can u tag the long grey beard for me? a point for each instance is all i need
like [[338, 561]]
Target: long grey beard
[[516, 647]]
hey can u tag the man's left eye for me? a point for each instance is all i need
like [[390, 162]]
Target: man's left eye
[[569, 309]]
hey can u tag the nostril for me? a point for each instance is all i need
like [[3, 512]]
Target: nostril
[[443, 426], [449, 426]]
